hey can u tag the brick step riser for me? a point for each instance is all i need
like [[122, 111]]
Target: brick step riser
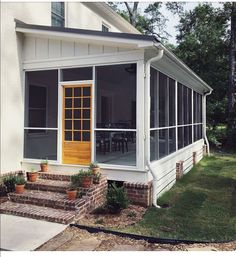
[[37, 216], [43, 187], [45, 203], [54, 176]]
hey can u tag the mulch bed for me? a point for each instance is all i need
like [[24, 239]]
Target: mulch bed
[[126, 217]]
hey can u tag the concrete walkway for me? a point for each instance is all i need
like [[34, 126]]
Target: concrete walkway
[[24, 234]]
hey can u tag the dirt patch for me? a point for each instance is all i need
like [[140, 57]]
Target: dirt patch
[[126, 217], [109, 242]]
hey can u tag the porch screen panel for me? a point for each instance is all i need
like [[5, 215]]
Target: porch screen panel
[[184, 99], [115, 125], [197, 112], [41, 107], [162, 115]]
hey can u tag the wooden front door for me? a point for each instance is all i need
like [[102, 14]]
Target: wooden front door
[[77, 112]]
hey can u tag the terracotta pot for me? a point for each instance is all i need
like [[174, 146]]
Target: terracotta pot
[[71, 194], [87, 181], [20, 189], [32, 176], [96, 170], [44, 167]]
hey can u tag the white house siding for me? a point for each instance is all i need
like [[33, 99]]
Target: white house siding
[[12, 105], [80, 16], [165, 169]]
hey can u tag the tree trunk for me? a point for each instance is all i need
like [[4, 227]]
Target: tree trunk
[[132, 12], [232, 79]]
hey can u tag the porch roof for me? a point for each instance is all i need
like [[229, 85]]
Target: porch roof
[[128, 38], [137, 41]]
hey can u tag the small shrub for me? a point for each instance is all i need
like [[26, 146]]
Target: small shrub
[[99, 221], [116, 199], [100, 210], [131, 214], [9, 183]]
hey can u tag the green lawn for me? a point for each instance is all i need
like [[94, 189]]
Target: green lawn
[[203, 204]]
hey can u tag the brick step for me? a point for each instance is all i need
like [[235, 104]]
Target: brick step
[[37, 212], [52, 175], [48, 185], [47, 199]]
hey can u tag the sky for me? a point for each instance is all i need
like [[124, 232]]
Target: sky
[[173, 20]]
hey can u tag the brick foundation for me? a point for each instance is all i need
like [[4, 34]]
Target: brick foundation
[[194, 158], [204, 150], [139, 193], [179, 169]]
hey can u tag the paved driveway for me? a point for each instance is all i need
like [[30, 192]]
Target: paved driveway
[[24, 234]]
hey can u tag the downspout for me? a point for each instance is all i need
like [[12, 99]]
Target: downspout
[[147, 122], [204, 121]]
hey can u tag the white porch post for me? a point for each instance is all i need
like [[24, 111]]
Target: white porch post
[[140, 116]]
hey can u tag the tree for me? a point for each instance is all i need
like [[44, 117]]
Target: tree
[[232, 77], [151, 21], [203, 46]]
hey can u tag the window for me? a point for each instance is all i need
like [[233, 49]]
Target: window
[[162, 116], [105, 28], [58, 14]]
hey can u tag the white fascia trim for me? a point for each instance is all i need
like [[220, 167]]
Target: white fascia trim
[[111, 41], [184, 67]]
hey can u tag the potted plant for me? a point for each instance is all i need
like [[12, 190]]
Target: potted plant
[[87, 178], [71, 192], [20, 184], [96, 178], [32, 175], [44, 165], [94, 167]]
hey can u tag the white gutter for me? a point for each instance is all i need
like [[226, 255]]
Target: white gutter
[[204, 120], [147, 122]]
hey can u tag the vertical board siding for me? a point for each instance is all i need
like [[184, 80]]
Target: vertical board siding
[[110, 49], [29, 48], [41, 48], [54, 48], [67, 49], [95, 49], [45, 48], [81, 49]]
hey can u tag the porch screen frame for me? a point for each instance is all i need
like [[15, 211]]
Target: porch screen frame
[[40, 128], [139, 160], [139, 109], [177, 125]]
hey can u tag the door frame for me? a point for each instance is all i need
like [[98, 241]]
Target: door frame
[[60, 117]]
